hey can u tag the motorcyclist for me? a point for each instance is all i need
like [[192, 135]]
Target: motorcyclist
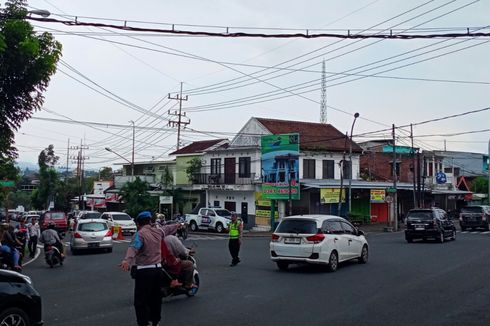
[[174, 255], [7, 247], [50, 237]]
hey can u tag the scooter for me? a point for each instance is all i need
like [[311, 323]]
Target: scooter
[[52, 256], [168, 291]]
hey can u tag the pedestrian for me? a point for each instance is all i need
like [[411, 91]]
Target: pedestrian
[[34, 232], [143, 257], [235, 231]]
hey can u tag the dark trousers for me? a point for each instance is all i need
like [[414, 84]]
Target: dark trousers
[[147, 295], [32, 245], [234, 246]]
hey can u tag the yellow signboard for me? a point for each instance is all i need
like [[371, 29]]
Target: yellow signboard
[[331, 196], [378, 195]]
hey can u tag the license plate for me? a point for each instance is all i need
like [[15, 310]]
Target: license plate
[[419, 228], [292, 240], [93, 245]]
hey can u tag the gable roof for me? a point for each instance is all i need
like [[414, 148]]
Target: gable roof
[[313, 136], [201, 146]]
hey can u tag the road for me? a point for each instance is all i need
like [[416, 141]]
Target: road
[[403, 284]]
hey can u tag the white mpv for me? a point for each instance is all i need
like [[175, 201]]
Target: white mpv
[[317, 239]]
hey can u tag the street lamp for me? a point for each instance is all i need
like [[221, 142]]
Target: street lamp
[[132, 151], [356, 115], [40, 12], [132, 163]]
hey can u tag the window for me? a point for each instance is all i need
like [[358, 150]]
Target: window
[[348, 229], [308, 169], [328, 169], [333, 227], [244, 167], [216, 203], [121, 217], [92, 227], [215, 166], [297, 226], [346, 169]]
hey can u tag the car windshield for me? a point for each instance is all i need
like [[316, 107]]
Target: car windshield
[[222, 212], [121, 217], [91, 215], [92, 227], [297, 226], [56, 216], [420, 215], [474, 209]]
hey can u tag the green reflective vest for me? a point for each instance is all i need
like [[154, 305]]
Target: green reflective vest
[[234, 229]]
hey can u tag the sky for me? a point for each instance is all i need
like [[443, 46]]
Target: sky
[[229, 80]]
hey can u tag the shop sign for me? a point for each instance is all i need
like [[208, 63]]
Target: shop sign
[[378, 195], [331, 196]]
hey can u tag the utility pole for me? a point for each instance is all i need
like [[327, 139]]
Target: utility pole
[[179, 115], [488, 201], [395, 176], [356, 115], [132, 154], [67, 160], [341, 165], [413, 168], [323, 102], [80, 158]]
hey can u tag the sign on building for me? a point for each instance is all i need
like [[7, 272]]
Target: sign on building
[[280, 166], [378, 195], [331, 196]]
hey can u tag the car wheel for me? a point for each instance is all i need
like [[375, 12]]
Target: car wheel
[[409, 240], [193, 226], [440, 239], [487, 227], [364, 255], [219, 228], [14, 316], [282, 265], [74, 252], [463, 228], [109, 250], [333, 262], [453, 236]]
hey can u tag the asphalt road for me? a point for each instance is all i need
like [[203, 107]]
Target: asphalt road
[[402, 284]]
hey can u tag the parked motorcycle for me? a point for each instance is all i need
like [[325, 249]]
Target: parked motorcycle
[[168, 291], [52, 256]]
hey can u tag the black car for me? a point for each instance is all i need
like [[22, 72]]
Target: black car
[[425, 223], [477, 216], [20, 303]]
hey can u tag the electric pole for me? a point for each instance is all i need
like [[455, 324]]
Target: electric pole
[[323, 103], [179, 115], [395, 176], [79, 159], [413, 168]]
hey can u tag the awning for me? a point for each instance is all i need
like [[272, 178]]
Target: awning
[[355, 184]]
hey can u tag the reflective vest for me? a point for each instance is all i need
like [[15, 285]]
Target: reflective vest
[[234, 229]]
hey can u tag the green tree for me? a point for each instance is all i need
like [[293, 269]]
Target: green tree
[[193, 166], [65, 192], [135, 195], [27, 62], [48, 178], [9, 172], [106, 174], [20, 198], [480, 185]]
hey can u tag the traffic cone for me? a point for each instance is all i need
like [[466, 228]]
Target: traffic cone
[[114, 234], [119, 233]]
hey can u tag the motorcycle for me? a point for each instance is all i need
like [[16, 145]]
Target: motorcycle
[[168, 291], [183, 232], [52, 256]]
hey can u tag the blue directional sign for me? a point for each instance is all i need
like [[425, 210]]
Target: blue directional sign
[[441, 177]]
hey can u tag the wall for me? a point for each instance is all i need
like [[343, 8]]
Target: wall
[[180, 167], [337, 157]]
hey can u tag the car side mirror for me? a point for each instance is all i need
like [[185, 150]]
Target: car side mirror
[[360, 232]]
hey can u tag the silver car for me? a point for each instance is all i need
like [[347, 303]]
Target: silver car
[[91, 234]]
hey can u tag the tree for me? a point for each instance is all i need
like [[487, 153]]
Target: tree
[[48, 178], [27, 62], [135, 195], [8, 172], [480, 185], [106, 174], [193, 166]]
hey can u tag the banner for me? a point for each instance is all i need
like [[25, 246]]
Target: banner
[[378, 195], [280, 166], [331, 196]]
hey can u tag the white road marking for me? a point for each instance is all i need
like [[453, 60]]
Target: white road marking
[[486, 232]]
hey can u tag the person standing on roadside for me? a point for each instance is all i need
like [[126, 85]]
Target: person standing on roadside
[[235, 232], [34, 232], [143, 257]]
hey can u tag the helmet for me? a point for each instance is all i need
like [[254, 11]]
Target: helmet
[[144, 215], [51, 225]]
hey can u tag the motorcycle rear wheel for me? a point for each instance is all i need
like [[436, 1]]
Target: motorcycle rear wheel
[[192, 292]]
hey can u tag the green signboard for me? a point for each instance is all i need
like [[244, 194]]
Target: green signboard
[[280, 166], [7, 184]]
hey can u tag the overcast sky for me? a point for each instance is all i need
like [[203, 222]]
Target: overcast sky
[[228, 82]]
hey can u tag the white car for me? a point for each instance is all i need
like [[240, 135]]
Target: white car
[[317, 239], [91, 234], [120, 219]]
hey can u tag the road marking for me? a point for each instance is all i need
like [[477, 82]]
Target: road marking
[[464, 232], [486, 232], [121, 241]]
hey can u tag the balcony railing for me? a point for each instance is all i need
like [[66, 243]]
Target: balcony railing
[[223, 179]]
